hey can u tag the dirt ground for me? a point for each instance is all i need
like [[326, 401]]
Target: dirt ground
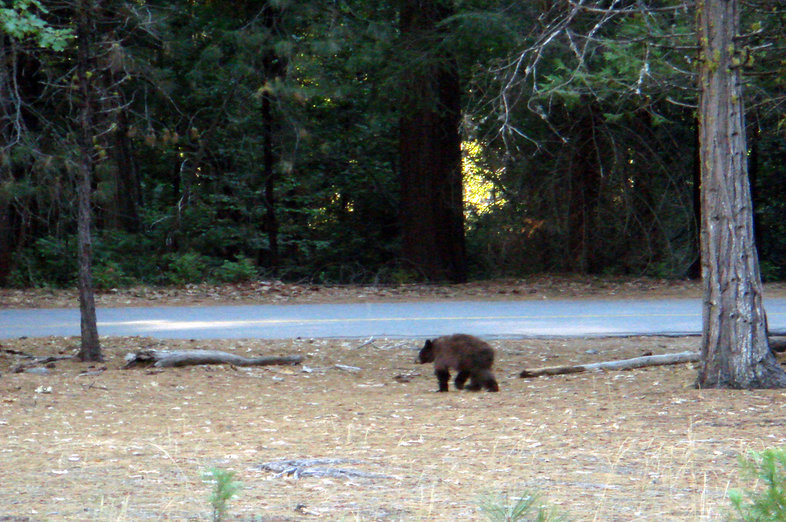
[[97, 442]]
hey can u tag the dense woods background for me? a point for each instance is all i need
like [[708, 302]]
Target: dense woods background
[[357, 141]]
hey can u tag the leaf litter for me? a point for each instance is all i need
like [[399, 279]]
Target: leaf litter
[[95, 442], [641, 444]]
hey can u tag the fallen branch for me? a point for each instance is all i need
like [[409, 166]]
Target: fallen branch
[[313, 468], [16, 352], [170, 359], [625, 364], [39, 361]]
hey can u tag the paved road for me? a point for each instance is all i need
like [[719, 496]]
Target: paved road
[[496, 319]]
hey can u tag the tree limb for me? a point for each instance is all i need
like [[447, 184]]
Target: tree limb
[[625, 364], [314, 468], [39, 361], [170, 359]]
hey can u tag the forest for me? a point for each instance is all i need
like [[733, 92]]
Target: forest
[[350, 141]]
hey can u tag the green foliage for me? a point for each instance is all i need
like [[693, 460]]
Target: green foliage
[[769, 189], [771, 271], [769, 505], [184, 126], [110, 275], [22, 20], [185, 268], [522, 508], [235, 271], [50, 261], [225, 487]]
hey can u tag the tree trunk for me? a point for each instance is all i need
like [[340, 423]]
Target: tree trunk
[[268, 175], [432, 202], [274, 69], [127, 183], [585, 180], [91, 348], [735, 352]]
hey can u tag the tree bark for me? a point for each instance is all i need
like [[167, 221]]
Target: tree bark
[[432, 201], [90, 349], [735, 352]]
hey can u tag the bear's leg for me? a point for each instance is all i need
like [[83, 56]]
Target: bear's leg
[[491, 384], [443, 376], [475, 381], [483, 379], [486, 380], [461, 378]]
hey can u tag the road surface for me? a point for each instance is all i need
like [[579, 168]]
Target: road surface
[[494, 319]]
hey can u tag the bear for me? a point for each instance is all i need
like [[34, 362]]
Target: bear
[[471, 357]]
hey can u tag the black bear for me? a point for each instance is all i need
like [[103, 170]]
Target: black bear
[[471, 357]]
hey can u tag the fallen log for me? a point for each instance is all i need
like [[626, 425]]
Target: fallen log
[[315, 468], [171, 359], [624, 364]]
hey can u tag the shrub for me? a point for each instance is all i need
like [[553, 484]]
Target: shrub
[[225, 487], [185, 268], [235, 271], [110, 275], [525, 507], [50, 261], [768, 467]]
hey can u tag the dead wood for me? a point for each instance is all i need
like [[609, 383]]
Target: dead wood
[[625, 364], [16, 352], [170, 359], [314, 468], [39, 361]]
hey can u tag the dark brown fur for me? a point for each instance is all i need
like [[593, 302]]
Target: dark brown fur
[[471, 357]]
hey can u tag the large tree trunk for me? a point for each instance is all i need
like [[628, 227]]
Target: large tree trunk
[[274, 70], [735, 352], [432, 206], [91, 348], [127, 183], [585, 180]]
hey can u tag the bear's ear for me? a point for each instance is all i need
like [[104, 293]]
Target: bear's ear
[[428, 344]]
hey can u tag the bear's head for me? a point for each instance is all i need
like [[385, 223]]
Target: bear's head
[[426, 353]]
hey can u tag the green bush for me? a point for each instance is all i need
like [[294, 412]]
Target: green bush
[[523, 508], [225, 487], [769, 468], [50, 261], [185, 268], [110, 275], [235, 271]]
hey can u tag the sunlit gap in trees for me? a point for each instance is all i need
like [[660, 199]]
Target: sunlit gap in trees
[[481, 194], [327, 214]]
